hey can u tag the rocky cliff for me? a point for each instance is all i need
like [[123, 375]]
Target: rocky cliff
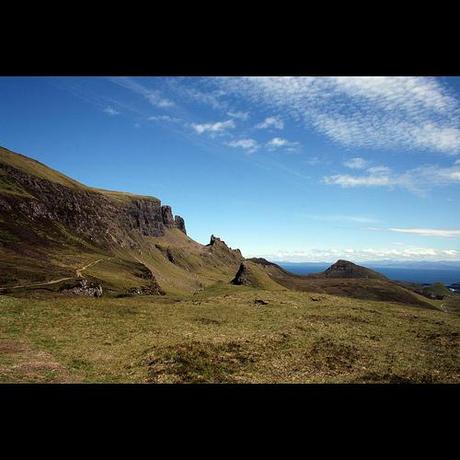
[[99, 216]]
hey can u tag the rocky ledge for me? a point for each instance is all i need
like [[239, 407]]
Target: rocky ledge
[[84, 288]]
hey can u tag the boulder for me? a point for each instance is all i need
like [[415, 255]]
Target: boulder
[[84, 288]]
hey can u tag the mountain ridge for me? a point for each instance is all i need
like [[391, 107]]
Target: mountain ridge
[[51, 226]]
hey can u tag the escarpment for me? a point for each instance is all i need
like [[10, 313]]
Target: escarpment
[[95, 215]]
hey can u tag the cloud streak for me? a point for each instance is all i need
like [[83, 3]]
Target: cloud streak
[[373, 112], [217, 127], [408, 253], [279, 142], [250, 145], [355, 163], [271, 122], [153, 96], [442, 233], [416, 180], [111, 111]]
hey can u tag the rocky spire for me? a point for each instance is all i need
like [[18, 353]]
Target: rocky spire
[[180, 224]]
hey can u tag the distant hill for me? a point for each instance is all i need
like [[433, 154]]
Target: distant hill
[[344, 278], [346, 269]]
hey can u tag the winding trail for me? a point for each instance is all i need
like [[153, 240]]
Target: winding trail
[[79, 270], [78, 273]]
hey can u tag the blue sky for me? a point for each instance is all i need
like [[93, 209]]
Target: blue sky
[[294, 169]]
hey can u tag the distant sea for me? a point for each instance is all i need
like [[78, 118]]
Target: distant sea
[[443, 275]]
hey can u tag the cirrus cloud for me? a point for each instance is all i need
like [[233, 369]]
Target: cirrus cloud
[[373, 112], [250, 145]]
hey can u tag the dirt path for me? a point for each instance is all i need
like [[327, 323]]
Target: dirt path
[[78, 272]]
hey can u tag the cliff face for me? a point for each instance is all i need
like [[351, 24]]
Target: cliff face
[[94, 215]]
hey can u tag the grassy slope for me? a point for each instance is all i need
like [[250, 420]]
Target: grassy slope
[[222, 335], [35, 168]]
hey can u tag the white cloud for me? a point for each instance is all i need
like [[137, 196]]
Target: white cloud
[[345, 180], [153, 96], [250, 145], [271, 122], [111, 111], [239, 115], [356, 163], [166, 118], [405, 253], [279, 142], [211, 98], [215, 128], [443, 233], [416, 180], [374, 112]]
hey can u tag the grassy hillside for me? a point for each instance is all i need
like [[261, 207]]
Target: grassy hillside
[[35, 168], [48, 232], [226, 333]]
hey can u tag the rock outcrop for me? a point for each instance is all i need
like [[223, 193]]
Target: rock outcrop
[[217, 243], [84, 288], [167, 216], [242, 276], [152, 289], [180, 224]]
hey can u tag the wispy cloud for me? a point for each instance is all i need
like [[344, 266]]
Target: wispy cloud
[[217, 127], [210, 98], [279, 142], [166, 118], [250, 145], [153, 96], [416, 180], [356, 163], [443, 233], [271, 122], [111, 111], [239, 115], [374, 112]]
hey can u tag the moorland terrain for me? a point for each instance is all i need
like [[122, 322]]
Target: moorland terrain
[[105, 286]]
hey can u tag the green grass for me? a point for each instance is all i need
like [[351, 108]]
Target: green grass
[[221, 334], [35, 168]]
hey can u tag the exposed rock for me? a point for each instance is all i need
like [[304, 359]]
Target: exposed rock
[[242, 276], [153, 289], [146, 216], [260, 302], [85, 288], [91, 214], [180, 224], [167, 216], [218, 243]]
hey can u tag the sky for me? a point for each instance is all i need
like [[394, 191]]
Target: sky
[[286, 168]]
